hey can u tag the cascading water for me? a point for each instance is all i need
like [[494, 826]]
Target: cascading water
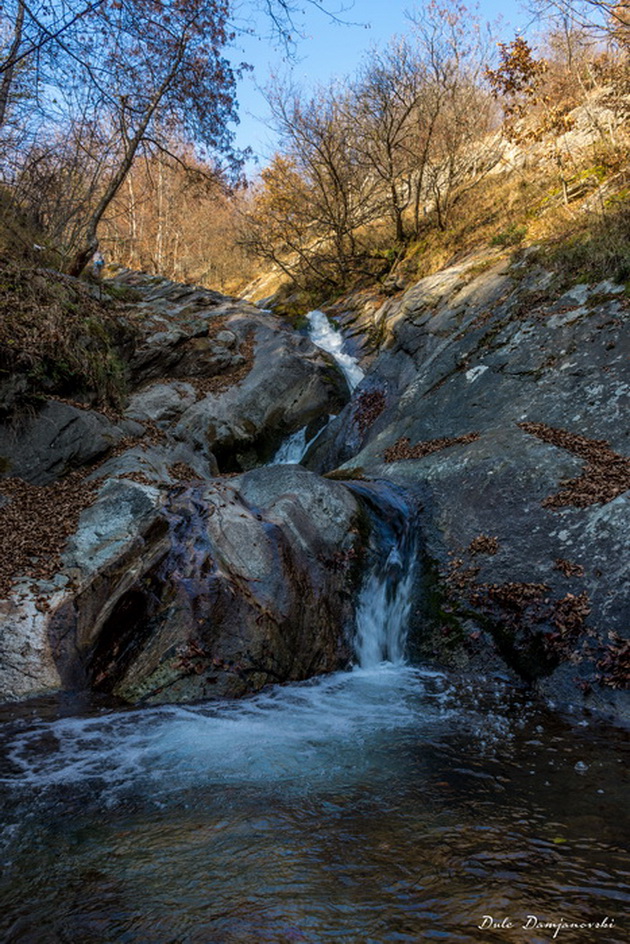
[[328, 339], [384, 603], [378, 805], [292, 449], [383, 612], [324, 336]]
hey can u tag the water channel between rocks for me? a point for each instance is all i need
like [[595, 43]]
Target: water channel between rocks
[[326, 337], [383, 804]]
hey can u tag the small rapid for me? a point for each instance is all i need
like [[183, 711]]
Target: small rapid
[[322, 333], [292, 450], [324, 336], [385, 599], [389, 803]]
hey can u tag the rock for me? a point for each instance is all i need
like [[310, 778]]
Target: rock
[[122, 511], [159, 464], [481, 352], [27, 662], [191, 592], [290, 384], [58, 438], [250, 380], [252, 589], [45, 624], [161, 402]]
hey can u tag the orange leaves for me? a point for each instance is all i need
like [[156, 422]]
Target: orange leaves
[[606, 474], [35, 523], [518, 72], [402, 449]]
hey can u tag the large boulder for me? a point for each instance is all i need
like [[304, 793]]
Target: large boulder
[[222, 377], [192, 592], [256, 588], [289, 384], [41, 446]]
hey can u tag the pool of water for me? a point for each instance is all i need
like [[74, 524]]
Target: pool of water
[[387, 804]]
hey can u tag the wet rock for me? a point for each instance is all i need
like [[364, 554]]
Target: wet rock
[[256, 587], [513, 401]]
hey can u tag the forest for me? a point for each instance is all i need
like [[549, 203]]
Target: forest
[[117, 130]]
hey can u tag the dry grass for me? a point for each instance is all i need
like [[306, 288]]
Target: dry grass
[[53, 332], [587, 239]]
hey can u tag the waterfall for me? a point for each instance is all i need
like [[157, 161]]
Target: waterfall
[[324, 335], [385, 598], [292, 449], [383, 611]]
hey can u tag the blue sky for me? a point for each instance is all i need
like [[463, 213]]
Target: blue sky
[[327, 50]]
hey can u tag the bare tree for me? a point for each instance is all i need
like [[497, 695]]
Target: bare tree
[[150, 71], [165, 71], [319, 143], [453, 114], [384, 107]]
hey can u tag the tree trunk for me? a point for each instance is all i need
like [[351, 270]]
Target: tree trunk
[[133, 224], [7, 75], [90, 246]]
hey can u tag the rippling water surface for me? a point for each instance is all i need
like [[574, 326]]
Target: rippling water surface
[[381, 805], [386, 804]]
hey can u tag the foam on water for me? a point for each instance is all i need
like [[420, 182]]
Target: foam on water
[[292, 449], [383, 611], [306, 731], [324, 335]]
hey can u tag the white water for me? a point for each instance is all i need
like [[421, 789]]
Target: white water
[[324, 335], [306, 731], [292, 450], [383, 611]]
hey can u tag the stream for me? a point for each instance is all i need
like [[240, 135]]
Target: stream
[[387, 803], [325, 336], [383, 804]]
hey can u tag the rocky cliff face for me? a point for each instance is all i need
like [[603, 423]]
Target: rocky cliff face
[[505, 405], [182, 569]]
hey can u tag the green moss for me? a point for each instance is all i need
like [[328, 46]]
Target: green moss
[[121, 293], [512, 236], [294, 304], [440, 634], [345, 475]]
